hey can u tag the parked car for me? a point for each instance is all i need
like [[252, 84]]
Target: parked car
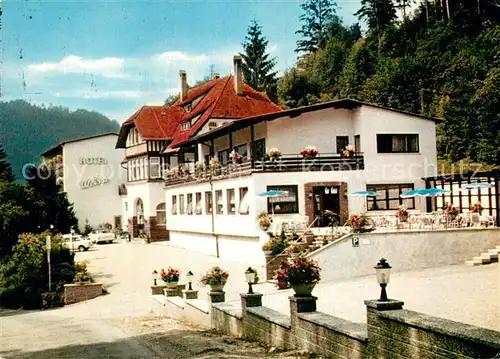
[[76, 242], [101, 236]]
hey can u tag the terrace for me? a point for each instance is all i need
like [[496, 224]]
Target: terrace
[[191, 172]]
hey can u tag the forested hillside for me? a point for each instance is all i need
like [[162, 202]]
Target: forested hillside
[[442, 60], [27, 130]]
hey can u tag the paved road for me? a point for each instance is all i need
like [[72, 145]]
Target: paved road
[[126, 323]]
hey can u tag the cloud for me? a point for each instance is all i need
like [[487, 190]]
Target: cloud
[[111, 67]]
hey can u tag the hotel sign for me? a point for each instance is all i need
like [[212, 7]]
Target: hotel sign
[[93, 161], [93, 182]]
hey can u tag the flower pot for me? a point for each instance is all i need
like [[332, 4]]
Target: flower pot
[[303, 290], [268, 253], [265, 228], [216, 287], [403, 218], [309, 238], [172, 285]]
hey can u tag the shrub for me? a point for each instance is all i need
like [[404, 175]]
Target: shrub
[[24, 274], [170, 275]]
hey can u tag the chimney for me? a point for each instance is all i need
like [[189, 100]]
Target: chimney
[[238, 75], [184, 87]]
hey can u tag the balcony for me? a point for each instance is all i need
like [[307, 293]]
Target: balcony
[[286, 163]]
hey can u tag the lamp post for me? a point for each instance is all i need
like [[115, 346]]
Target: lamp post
[[189, 277], [155, 277], [383, 272], [250, 278]]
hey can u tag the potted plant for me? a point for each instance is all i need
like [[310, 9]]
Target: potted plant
[[264, 221], [170, 276], [216, 278], [273, 155], [235, 157], [281, 276], [309, 152], [402, 214], [359, 223], [303, 274], [452, 212], [199, 168], [348, 151], [268, 248], [476, 208]]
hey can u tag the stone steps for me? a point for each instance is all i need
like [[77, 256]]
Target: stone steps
[[487, 257]]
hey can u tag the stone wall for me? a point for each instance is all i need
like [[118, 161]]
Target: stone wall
[[391, 332], [74, 293], [407, 250]]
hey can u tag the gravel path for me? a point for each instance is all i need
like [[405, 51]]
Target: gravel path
[[126, 323]]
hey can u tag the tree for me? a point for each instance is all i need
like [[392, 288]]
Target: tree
[[258, 66], [316, 20], [5, 169], [377, 13]]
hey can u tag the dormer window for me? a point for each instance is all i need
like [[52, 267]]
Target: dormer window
[[133, 137], [188, 107], [186, 125]]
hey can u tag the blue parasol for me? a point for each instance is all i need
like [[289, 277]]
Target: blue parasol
[[272, 193], [364, 193], [424, 192], [477, 185]]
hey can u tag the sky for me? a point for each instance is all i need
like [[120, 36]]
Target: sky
[[116, 56]]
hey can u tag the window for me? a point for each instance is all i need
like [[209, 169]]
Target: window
[[231, 201], [244, 201], [208, 203], [185, 126], [161, 215], [284, 204], [218, 202], [223, 156], [397, 143], [181, 204], [212, 125], [188, 107], [342, 142], [154, 167], [259, 149], [388, 196], [242, 151], [174, 205], [189, 207], [197, 209], [357, 144]]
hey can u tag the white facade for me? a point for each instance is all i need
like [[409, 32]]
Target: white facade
[[237, 235], [91, 175]]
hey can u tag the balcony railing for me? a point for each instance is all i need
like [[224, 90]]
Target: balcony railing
[[190, 172]]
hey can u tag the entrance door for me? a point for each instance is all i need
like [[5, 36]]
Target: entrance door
[[325, 198]]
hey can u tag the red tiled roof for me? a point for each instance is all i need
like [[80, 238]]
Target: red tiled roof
[[220, 101]]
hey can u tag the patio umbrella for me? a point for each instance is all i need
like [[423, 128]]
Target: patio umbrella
[[470, 186], [424, 192], [272, 194], [364, 193]]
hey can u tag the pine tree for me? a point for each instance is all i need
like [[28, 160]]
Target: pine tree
[[316, 20], [258, 66], [5, 168]]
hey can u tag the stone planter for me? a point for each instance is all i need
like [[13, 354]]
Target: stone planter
[[172, 285], [268, 253], [216, 287], [303, 290]]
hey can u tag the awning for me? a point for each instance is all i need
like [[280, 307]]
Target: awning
[[171, 150]]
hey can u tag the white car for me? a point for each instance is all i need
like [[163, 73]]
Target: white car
[[101, 236], [76, 242]]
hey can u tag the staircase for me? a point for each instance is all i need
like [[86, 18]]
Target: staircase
[[485, 258]]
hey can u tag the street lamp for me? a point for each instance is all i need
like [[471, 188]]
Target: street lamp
[[189, 277], [250, 277], [383, 272], [155, 277]]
